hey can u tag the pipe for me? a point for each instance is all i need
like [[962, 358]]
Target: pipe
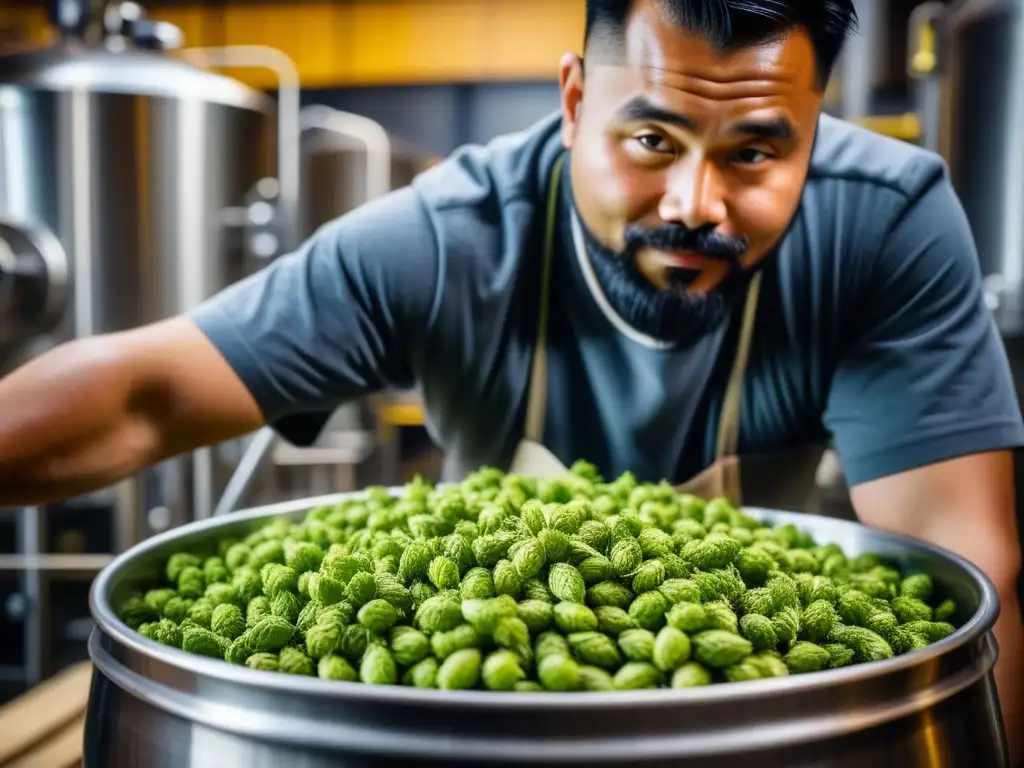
[[245, 472], [363, 129], [288, 130]]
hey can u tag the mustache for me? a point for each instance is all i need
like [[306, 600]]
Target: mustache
[[706, 241]]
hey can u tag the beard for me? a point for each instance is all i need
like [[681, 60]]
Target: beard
[[670, 315]]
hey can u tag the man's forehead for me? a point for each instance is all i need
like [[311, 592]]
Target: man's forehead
[[674, 69], [617, 86], [661, 52]]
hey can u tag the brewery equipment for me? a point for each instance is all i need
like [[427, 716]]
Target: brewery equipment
[[33, 282], [980, 63], [134, 168], [128, 159], [860, 68], [347, 160], [134, 183], [158, 706], [975, 75]]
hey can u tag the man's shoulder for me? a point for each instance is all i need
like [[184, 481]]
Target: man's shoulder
[[849, 155], [508, 169], [860, 186], [485, 207], [863, 190]]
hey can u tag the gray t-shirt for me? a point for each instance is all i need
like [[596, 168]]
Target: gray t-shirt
[[871, 325]]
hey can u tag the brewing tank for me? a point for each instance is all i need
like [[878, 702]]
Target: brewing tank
[[131, 161], [347, 160], [135, 182], [981, 65], [982, 111]]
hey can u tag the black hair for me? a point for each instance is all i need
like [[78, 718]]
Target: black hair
[[732, 24]]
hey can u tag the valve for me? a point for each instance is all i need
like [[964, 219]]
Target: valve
[[127, 25], [33, 283]]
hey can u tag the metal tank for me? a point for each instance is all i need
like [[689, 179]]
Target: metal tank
[[347, 160], [980, 67], [156, 706], [128, 158], [135, 183], [976, 73]]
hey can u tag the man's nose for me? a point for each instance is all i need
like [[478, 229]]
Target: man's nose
[[694, 195]]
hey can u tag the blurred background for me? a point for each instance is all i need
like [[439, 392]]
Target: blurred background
[[151, 155]]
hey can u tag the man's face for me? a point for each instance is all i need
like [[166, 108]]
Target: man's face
[[687, 161]]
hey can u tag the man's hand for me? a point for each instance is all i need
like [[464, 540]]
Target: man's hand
[[93, 411], [965, 505]]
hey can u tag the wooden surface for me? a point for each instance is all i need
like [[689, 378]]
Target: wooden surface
[[44, 728]]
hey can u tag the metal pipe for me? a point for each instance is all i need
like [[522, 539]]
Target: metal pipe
[[30, 545], [378, 183], [288, 181], [246, 470], [288, 130], [371, 133]]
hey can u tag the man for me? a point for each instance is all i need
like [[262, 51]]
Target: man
[[708, 226]]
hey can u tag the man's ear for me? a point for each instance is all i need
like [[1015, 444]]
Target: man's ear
[[570, 78]]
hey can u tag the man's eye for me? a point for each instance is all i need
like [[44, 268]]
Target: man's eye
[[654, 142], [750, 156]]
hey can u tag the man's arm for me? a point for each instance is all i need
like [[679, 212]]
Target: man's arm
[[91, 412], [967, 506], [344, 315], [922, 404]]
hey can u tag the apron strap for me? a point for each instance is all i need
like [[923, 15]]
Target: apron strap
[[536, 404], [728, 440]]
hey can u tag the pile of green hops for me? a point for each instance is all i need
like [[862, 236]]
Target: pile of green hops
[[507, 583]]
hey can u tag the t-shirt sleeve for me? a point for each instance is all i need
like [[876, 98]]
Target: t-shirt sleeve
[[923, 374], [346, 314]]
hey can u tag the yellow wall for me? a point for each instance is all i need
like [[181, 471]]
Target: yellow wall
[[391, 42], [380, 42]]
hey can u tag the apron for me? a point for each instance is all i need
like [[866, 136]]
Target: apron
[[782, 480]]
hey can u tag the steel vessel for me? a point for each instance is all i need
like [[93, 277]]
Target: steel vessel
[[157, 706], [135, 182], [980, 56]]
